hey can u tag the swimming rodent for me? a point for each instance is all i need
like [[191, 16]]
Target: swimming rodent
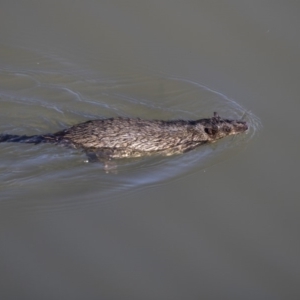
[[127, 137]]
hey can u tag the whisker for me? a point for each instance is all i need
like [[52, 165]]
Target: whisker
[[244, 115]]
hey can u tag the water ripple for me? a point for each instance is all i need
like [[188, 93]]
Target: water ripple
[[54, 178]]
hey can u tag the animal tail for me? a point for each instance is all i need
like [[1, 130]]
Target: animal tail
[[33, 139]]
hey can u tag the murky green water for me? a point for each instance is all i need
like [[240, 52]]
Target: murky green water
[[220, 222]]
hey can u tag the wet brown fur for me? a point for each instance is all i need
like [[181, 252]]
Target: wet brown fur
[[127, 137]]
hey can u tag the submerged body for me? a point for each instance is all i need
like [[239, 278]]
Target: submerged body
[[126, 137]]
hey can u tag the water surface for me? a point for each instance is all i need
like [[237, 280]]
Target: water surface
[[220, 222], [41, 100]]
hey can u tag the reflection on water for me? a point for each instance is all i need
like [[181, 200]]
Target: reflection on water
[[54, 94]]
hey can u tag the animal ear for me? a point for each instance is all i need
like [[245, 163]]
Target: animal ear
[[211, 130], [207, 130]]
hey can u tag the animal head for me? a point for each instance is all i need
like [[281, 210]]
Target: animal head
[[217, 128]]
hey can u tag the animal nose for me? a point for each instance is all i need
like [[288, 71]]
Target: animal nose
[[245, 125]]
